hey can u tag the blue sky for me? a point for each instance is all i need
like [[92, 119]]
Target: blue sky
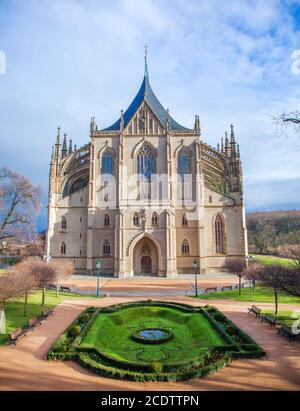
[[229, 62]]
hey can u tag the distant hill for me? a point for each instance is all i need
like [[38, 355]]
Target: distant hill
[[270, 231]]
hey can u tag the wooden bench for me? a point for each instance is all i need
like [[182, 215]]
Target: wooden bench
[[269, 319], [33, 322], [46, 313], [15, 335], [65, 289], [288, 332], [210, 289], [226, 288], [254, 310]]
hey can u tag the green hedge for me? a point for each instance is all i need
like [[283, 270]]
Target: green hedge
[[239, 345], [110, 372]]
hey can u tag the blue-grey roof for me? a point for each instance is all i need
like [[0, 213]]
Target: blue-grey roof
[[146, 93]]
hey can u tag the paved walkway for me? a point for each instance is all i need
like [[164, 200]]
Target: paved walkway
[[23, 367], [148, 285]]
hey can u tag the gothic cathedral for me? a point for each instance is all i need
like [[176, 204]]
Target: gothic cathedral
[[146, 196]]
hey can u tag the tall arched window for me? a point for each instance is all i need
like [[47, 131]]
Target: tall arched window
[[219, 235], [145, 162], [154, 219], [183, 163], [185, 247], [63, 223], [63, 248], [106, 248], [107, 163], [184, 220], [135, 219], [106, 220]]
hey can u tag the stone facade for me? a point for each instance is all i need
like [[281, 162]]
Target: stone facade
[[103, 202]]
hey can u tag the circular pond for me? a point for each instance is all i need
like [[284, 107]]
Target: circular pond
[[152, 336]]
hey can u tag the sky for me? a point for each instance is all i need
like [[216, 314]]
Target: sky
[[227, 61]]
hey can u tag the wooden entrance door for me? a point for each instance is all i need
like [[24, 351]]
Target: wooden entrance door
[[146, 264]]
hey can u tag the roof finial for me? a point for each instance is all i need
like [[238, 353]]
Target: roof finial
[[146, 63]]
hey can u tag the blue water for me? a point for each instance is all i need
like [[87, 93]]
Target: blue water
[[152, 334]]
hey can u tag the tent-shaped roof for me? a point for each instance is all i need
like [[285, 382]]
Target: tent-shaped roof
[[146, 93]]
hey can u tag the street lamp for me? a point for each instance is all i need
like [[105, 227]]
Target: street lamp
[[98, 274], [248, 259], [195, 272]]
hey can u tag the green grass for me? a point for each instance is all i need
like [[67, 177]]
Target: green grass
[[272, 259], [283, 317], [14, 311], [111, 334], [259, 294]]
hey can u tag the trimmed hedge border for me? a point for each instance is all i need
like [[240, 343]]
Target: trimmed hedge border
[[239, 345]]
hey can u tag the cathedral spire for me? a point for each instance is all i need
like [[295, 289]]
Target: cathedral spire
[[222, 145], [232, 142], [146, 74], [122, 121], [226, 148], [64, 151], [57, 144], [70, 147], [197, 124]]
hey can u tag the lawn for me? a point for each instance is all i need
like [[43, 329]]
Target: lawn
[[193, 334], [14, 310], [153, 341], [272, 259], [259, 295]]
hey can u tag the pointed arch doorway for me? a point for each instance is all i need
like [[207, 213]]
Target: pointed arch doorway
[[145, 258]]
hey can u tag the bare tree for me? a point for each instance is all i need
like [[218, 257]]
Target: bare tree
[[293, 252], [11, 286], [63, 269], [269, 276], [236, 266], [289, 281], [34, 248], [44, 274], [19, 202], [28, 281], [252, 272]]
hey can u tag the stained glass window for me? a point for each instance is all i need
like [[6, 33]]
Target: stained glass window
[[183, 164], [107, 163], [145, 162]]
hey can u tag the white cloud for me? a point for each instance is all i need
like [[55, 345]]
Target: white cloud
[[227, 61]]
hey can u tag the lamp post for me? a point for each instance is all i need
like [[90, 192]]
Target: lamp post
[[248, 259], [98, 274], [195, 272]]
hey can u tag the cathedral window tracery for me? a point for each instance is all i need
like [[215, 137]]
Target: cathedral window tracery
[[107, 163], [63, 248], [63, 223], [154, 219], [219, 235], [145, 162], [185, 247], [106, 248], [135, 219], [106, 220]]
